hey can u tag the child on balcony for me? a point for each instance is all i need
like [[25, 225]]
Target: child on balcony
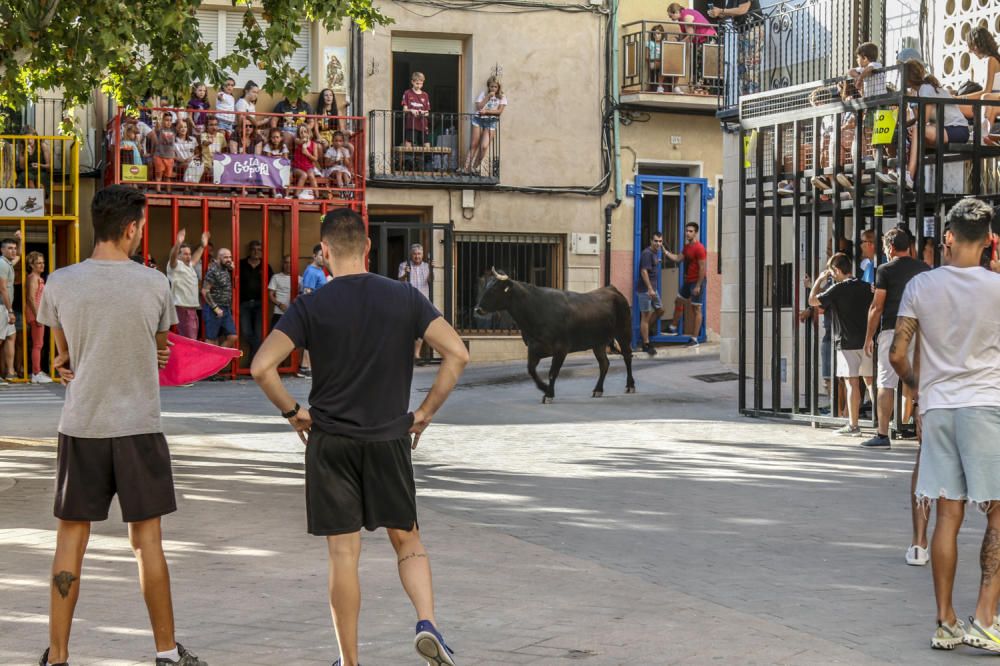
[[416, 109], [164, 137], [275, 147], [304, 160], [131, 146], [337, 161], [868, 76], [226, 102], [199, 100], [654, 54]]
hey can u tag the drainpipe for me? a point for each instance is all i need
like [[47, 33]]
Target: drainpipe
[[616, 127]]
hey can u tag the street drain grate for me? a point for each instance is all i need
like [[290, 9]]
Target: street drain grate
[[718, 377]]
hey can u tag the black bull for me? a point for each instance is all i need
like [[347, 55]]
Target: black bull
[[555, 323]]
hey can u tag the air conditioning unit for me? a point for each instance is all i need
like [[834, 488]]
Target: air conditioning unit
[[584, 244]]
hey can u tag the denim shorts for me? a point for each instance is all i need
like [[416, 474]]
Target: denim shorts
[[216, 327], [960, 455], [647, 304], [486, 122]]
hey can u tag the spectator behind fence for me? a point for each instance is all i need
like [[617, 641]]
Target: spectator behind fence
[[416, 109], [164, 138], [132, 147], [35, 287], [32, 159], [313, 278], [747, 19], [489, 105], [185, 148], [869, 77], [982, 45], [867, 264], [246, 105], [290, 109], [694, 25], [304, 161], [337, 161], [217, 290], [252, 297], [654, 56], [921, 83], [8, 318], [244, 139], [183, 275], [199, 101], [224, 101], [848, 300], [213, 139], [279, 290], [328, 124]]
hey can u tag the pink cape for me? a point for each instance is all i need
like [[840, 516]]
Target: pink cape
[[191, 360]]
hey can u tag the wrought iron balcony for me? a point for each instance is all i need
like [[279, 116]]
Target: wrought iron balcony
[[669, 64], [440, 148]]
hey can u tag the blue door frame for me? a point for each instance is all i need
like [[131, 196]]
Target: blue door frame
[[702, 202]]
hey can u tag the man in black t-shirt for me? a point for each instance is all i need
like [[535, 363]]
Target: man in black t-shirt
[[748, 21], [848, 300], [890, 281], [251, 296], [358, 427]]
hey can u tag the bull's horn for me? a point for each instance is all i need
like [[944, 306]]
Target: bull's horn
[[499, 276]]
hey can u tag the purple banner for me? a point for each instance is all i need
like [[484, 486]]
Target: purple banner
[[251, 170]]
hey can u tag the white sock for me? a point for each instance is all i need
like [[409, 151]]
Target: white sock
[[172, 655]]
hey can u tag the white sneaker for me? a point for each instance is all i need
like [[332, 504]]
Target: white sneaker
[[306, 194], [659, 89], [41, 378], [917, 556], [848, 430]]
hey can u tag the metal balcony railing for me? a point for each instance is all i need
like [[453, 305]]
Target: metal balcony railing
[[793, 44], [672, 58], [235, 153], [447, 148]]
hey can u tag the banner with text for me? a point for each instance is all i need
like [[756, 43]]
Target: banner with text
[[20, 202], [251, 170]]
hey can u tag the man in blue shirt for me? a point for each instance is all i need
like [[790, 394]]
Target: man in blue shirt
[[312, 279]]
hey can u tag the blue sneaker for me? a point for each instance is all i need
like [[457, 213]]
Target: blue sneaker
[[431, 646]]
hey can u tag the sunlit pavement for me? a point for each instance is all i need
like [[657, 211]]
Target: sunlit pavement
[[652, 528]]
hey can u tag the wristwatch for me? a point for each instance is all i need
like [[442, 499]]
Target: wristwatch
[[292, 412]]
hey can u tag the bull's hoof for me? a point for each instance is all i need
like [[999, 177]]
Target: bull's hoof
[[597, 394], [546, 400], [630, 389]]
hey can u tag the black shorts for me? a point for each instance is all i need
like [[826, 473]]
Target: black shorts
[[352, 484], [92, 471]]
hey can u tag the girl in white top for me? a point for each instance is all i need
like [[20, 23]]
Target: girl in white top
[[489, 105], [954, 124], [185, 145], [982, 45], [226, 102], [337, 159]]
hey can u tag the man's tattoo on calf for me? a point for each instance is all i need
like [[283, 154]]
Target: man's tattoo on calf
[[989, 556], [62, 581], [410, 556]]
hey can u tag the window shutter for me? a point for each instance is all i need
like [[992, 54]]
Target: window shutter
[[426, 45], [208, 22], [301, 58]]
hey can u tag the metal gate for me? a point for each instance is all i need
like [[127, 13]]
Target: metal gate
[[391, 243], [665, 204]]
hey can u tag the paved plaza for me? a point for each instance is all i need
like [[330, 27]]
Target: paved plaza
[[655, 528]]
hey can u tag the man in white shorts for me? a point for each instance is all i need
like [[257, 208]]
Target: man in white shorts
[[891, 279], [955, 309], [847, 299]]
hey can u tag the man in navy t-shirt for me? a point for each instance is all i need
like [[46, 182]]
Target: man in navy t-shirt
[[359, 330], [646, 289]]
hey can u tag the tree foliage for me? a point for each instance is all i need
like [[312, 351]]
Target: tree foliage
[[131, 48]]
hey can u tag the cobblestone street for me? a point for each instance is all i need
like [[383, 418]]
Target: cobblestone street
[[654, 528]]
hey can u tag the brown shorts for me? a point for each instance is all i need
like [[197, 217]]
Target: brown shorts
[[92, 471]]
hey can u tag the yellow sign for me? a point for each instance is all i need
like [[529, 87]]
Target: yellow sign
[[749, 146], [879, 210], [135, 172], [885, 125]]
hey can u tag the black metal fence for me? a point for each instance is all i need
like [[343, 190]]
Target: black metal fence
[[533, 258], [451, 148], [668, 57]]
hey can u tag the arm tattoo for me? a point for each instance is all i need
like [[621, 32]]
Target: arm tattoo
[[989, 556], [62, 581], [410, 557]]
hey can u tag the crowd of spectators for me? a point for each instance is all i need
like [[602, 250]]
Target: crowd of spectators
[[179, 145]]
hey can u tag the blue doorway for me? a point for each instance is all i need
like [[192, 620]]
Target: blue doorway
[[665, 205]]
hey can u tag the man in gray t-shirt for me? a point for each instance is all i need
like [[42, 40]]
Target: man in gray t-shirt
[[109, 317]]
